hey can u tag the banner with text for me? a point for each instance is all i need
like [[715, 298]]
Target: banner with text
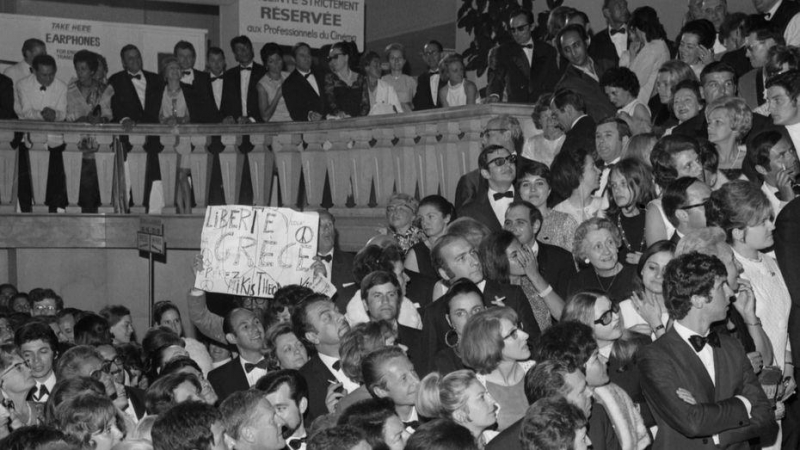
[[64, 37], [253, 251], [315, 22]]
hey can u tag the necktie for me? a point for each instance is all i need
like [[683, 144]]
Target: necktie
[[326, 258], [413, 424], [135, 77], [213, 78], [297, 443], [529, 46], [337, 366], [42, 88], [248, 367], [618, 31], [698, 342], [247, 68], [186, 73], [499, 195], [42, 392]]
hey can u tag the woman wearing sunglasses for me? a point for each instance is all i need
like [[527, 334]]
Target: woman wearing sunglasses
[[344, 89], [496, 347], [16, 382]]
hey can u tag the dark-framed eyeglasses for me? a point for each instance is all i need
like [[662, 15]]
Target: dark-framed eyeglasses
[[514, 333], [485, 132], [695, 205], [608, 316], [501, 161], [18, 366]]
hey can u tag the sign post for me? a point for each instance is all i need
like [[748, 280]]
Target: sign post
[[150, 239]]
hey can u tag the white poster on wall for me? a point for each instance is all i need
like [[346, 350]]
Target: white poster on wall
[[315, 22], [64, 37]]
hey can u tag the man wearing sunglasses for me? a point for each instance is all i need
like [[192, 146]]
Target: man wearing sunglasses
[[498, 166], [522, 70], [684, 203], [699, 384]]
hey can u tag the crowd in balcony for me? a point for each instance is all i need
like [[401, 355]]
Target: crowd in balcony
[[627, 279]]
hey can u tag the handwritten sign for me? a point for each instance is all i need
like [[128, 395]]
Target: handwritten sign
[[253, 251]]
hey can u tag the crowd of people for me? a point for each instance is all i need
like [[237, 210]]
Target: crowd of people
[[623, 280]]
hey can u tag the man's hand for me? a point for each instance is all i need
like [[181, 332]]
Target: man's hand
[[127, 124], [228, 120], [746, 301], [756, 360], [686, 396], [314, 116], [335, 393], [49, 115]]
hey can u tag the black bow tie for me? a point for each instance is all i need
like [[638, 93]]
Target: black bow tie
[[506, 194], [186, 73], [530, 46], [297, 443], [337, 366], [413, 424], [698, 342], [138, 76], [248, 367], [307, 75], [42, 88], [246, 68], [213, 78], [326, 258], [618, 31]]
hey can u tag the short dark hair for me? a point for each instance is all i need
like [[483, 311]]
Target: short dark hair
[[789, 81], [440, 203], [763, 29], [272, 381], [691, 85], [114, 313], [571, 28], [522, 12], [160, 397], [688, 275], [184, 45], [564, 97], [493, 255], [718, 67], [161, 307], [569, 341], [534, 215], [483, 158], [215, 51], [551, 424], [127, 48], [436, 43], [663, 152], [300, 316], [441, 434], [298, 46], [567, 169], [758, 154], [243, 40], [733, 21], [536, 168], [378, 278], [177, 363], [43, 60], [623, 128], [460, 287], [646, 19], [269, 49], [703, 29], [92, 330], [186, 426], [31, 44], [675, 197], [88, 57], [36, 330], [285, 298], [546, 379], [621, 78], [369, 416], [342, 437], [37, 437], [371, 366]]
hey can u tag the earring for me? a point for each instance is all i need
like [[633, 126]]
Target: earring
[[448, 337], [586, 261]]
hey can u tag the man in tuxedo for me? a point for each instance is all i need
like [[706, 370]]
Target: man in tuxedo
[[583, 73], [498, 166], [215, 63], [580, 128], [455, 258], [555, 264], [338, 264], [243, 329], [684, 202], [759, 39], [611, 42], [783, 16], [287, 391], [251, 422], [429, 83], [700, 385], [783, 94], [7, 98], [31, 48], [521, 71], [302, 89], [320, 325], [38, 346], [239, 94], [200, 82], [137, 92]]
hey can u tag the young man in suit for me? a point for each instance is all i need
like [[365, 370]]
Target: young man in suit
[[287, 391], [612, 41], [302, 89], [200, 82], [38, 346], [521, 71], [215, 63], [570, 111], [583, 73], [136, 397], [429, 83], [137, 92], [239, 94], [700, 385], [555, 264], [320, 325], [498, 166], [243, 329], [759, 39]]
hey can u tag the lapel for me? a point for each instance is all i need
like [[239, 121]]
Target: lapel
[[238, 377], [132, 89], [685, 356], [520, 59], [319, 369], [492, 294], [486, 210], [541, 260]]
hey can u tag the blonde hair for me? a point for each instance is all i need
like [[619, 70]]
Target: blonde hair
[[739, 113], [481, 345], [441, 396]]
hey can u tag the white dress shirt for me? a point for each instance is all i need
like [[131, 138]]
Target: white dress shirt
[[435, 87], [216, 88], [347, 383], [328, 264], [187, 78], [244, 77], [49, 383], [528, 51], [500, 206], [30, 99], [140, 85], [312, 80], [620, 40], [255, 374], [18, 71]]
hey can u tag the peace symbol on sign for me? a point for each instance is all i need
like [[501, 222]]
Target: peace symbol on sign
[[304, 235]]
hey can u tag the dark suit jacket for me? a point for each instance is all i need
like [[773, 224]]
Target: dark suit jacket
[[7, 98], [751, 88], [787, 251], [301, 98], [125, 102], [136, 397], [469, 187], [597, 104], [200, 111], [317, 376], [203, 94], [556, 266], [581, 135], [423, 98], [669, 363], [480, 209], [412, 338], [228, 378], [603, 48], [434, 323], [738, 60], [785, 13], [510, 72], [508, 439], [231, 104], [341, 269]]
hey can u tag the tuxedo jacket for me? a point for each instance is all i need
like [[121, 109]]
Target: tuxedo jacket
[[125, 102], [511, 74], [341, 269], [787, 251], [469, 187], [228, 378], [738, 60], [7, 98], [412, 338], [231, 104], [301, 98], [423, 98], [602, 47], [434, 323], [508, 439], [785, 13], [670, 363], [203, 94], [556, 266], [136, 397], [480, 209], [581, 135], [597, 104], [751, 88], [317, 376], [199, 109]]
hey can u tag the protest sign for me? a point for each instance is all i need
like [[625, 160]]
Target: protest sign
[[253, 251]]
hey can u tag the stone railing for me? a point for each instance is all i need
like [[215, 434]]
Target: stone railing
[[351, 166]]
